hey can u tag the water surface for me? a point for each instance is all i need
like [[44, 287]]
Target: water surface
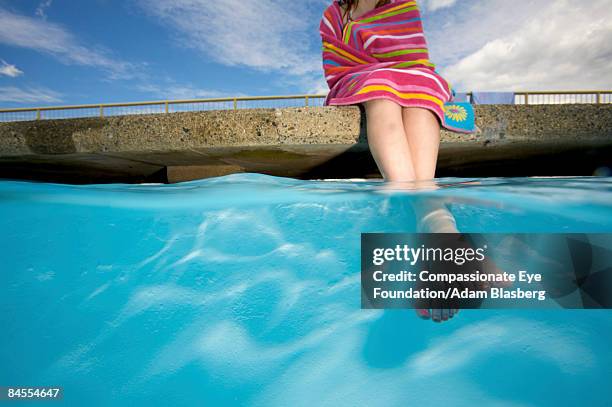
[[244, 289]]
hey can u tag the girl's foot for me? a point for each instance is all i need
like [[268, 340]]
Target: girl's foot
[[437, 315]]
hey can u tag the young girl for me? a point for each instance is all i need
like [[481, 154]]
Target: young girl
[[375, 54]]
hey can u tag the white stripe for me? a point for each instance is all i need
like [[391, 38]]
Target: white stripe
[[327, 23], [372, 38], [400, 47]]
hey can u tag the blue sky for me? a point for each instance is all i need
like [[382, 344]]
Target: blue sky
[[66, 52]]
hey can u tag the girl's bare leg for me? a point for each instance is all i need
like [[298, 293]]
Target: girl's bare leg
[[422, 131], [423, 134], [392, 132], [387, 140]]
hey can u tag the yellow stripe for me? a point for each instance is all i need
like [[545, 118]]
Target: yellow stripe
[[349, 60], [412, 3], [344, 53], [388, 13], [401, 52], [404, 64], [347, 31], [339, 56], [372, 88], [380, 15]]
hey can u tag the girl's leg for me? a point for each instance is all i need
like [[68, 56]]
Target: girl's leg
[[387, 140], [422, 130]]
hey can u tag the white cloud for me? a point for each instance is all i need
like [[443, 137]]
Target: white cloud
[[12, 94], [33, 33], [434, 5], [268, 35], [181, 91], [9, 70], [317, 86], [42, 8], [547, 44], [312, 83]]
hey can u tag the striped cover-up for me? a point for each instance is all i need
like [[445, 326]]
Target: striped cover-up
[[383, 54]]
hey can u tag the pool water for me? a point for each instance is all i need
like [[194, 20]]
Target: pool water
[[245, 290]]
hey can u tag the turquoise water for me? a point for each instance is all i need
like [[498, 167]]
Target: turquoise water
[[244, 289]]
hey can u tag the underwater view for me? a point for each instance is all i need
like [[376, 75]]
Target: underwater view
[[245, 290]]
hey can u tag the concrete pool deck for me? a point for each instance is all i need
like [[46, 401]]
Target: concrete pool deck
[[314, 142]]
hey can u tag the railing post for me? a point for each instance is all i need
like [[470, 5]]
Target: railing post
[[306, 100], [101, 111], [598, 98], [37, 114], [167, 110], [235, 104], [526, 98]]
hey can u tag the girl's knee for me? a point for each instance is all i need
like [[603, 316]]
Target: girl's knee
[[416, 110], [420, 113], [388, 123], [382, 104]]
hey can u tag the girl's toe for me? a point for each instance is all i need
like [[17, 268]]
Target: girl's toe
[[423, 313]]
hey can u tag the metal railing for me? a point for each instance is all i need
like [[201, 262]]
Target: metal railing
[[255, 102], [563, 97], [158, 106], [554, 97]]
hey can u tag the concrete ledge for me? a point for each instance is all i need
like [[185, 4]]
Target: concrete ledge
[[316, 142], [268, 127]]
